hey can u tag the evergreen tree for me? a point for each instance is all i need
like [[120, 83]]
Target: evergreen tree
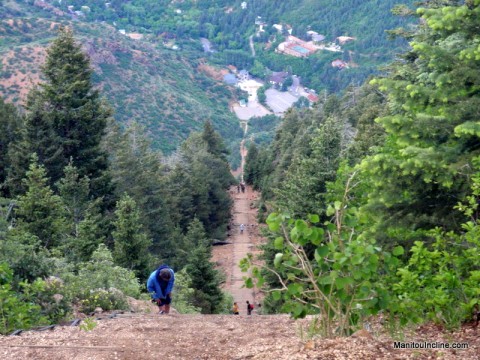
[[304, 188], [137, 171], [433, 133], [10, 125], [205, 279], [214, 141], [250, 171], [40, 212], [82, 214], [130, 241], [66, 118], [74, 192]]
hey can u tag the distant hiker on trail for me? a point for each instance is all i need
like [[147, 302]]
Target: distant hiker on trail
[[242, 185], [235, 309], [160, 285], [242, 227], [249, 308]]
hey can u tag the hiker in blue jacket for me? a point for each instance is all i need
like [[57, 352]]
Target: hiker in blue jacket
[[160, 286]]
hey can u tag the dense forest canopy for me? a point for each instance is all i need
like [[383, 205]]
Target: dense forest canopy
[[372, 197], [229, 25]]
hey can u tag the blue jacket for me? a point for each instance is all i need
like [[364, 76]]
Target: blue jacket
[[154, 284]]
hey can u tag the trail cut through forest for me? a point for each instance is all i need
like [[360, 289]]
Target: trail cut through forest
[[144, 334]]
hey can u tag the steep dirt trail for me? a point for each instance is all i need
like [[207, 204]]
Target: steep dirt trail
[[228, 256]]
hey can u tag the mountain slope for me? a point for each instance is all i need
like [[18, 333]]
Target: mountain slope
[[143, 81]]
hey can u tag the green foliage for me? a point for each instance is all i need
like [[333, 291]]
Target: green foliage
[[17, 310], [25, 256], [40, 212], [88, 324], [327, 269], [183, 296], [73, 131], [100, 273], [50, 295], [107, 299], [303, 190], [136, 170], [440, 282], [130, 241], [205, 279], [10, 125], [431, 130]]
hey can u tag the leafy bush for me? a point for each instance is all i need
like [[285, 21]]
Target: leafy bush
[[107, 299], [102, 273], [17, 310], [441, 281], [183, 294], [326, 269], [50, 295]]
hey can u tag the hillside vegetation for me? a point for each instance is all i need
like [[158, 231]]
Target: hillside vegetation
[[145, 83]]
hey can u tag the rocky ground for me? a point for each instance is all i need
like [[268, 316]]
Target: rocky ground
[[222, 337]]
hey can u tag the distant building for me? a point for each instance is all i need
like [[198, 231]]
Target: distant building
[[312, 98], [243, 75], [278, 27], [230, 79], [122, 31], [296, 47], [318, 38], [243, 5], [232, 68], [340, 64], [344, 39], [278, 78]]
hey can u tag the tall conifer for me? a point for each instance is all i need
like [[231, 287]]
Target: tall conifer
[[66, 117]]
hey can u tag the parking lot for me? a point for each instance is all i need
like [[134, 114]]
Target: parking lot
[[278, 101]]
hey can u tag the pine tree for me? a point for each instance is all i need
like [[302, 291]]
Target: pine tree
[[205, 279], [137, 171], [433, 132], [304, 188], [214, 141], [74, 192], [131, 244], [66, 119], [10, 125], [40, 212]]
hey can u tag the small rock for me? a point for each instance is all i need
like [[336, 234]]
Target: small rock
[[309, 345], [362, 333]]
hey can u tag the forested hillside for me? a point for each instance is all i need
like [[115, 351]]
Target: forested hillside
[[150, 65], [144, 83], [228, 25], [87, 209], [372, 197]]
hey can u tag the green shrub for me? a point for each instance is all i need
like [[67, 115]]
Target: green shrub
[[50, 295], [101, 273], [17, 310], [107, 299]]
